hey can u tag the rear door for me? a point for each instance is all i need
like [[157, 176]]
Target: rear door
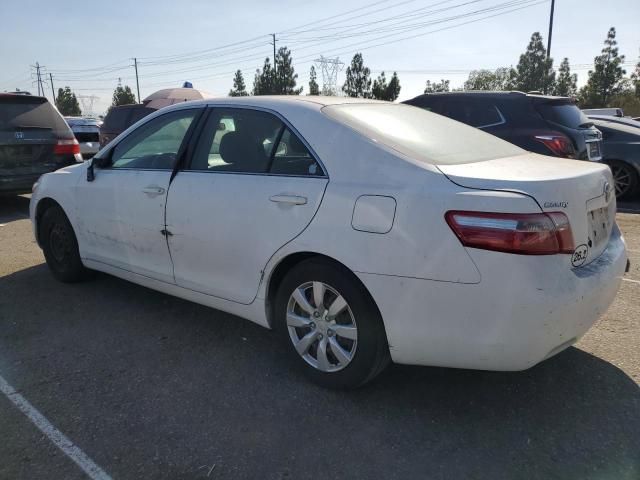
[[29, 129], [252, 186]]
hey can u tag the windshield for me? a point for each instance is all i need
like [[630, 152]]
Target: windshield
[[565, 114], [421, 135]]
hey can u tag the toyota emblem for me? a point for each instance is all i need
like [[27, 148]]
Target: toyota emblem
[[607, 191]]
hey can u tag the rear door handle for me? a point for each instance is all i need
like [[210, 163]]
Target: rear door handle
[[153, 190], [290, 199]]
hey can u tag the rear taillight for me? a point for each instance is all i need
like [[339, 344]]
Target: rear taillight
[[558, 144], [521, 233], [66, 147]]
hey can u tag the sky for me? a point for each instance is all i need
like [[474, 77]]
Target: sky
[[89, 46]]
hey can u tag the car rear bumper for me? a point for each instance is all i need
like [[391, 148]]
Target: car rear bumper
[[505, 322], [17, 184]]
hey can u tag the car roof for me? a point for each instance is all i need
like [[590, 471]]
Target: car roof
[[273, 101], [613, 125], [492, 95]]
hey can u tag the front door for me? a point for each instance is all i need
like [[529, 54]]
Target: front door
[[121, 213], [252, 185]]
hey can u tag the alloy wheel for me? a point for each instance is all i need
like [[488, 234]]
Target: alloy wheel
[[622, 179], [321, 326]]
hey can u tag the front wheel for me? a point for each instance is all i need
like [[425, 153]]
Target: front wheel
[[333, 328], [60, 246]]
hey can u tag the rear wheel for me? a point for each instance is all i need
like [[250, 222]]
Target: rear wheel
[[331, 325], [60, 246], [625, 178]]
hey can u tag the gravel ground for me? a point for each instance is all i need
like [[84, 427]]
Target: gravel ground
[[150, 386]]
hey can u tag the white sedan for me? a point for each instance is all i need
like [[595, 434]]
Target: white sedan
[[363, 231]]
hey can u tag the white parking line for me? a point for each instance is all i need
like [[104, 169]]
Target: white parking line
[[630, 280], [70, 449]]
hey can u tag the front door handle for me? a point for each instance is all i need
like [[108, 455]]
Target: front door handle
[[153, 190], [290, 199]]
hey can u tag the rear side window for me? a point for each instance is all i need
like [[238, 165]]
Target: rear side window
[[251, 141], [565, 114], [117, 119], [23, 112], [476, 114], [421, 135]]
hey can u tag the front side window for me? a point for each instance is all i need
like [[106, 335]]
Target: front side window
[[251, 141], [154, 145]]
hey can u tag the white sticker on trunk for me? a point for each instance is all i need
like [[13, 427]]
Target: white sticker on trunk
[[579, 255]]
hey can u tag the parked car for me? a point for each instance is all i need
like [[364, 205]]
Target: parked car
[[613, 119], [118, 119], [87, 132], [538, 123], [622, 154], [360, 230], [34, 139], [613, 112]]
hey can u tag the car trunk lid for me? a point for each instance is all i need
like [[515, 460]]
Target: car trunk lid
[[581, 190]]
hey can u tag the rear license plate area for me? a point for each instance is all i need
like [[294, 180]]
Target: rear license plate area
[[599, 225]]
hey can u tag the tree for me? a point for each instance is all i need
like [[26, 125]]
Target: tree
[[314, 89], [606, 78], [501, 79], [123, 96], [285, 75], [535, 70], [383, 90], [566, 82], [635, 79], [67, 102], [393, 90], [263, 80], [358, 81], [436, 87], [239, 89], [379, 90]]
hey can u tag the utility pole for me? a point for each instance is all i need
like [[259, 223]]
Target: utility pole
[[135, 64], [553, 3], [274, 51], [38, 81], [53, 92]]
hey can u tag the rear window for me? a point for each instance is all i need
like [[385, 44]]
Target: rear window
[[476, 114], [21, 112], [421, 135], [565, 114]]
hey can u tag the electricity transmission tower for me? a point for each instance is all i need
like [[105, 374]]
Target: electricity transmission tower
[[329, 68], [87, 104]]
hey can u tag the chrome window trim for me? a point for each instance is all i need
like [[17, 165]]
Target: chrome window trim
[[501, 122]]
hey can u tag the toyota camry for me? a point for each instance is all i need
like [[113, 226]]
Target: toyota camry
[[363, 232]]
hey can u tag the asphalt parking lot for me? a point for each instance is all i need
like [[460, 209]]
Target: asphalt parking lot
[[150, 386]]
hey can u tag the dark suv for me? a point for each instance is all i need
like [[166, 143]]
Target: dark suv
[[118, 119], [538, 123], [34, 139]]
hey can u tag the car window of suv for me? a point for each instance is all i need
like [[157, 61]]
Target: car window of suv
[[476, 114], [244, 141], [155, 144]]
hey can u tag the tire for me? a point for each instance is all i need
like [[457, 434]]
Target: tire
[[60, 246], [625, 178], [332, 331]]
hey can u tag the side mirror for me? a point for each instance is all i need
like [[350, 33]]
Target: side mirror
[[100, 162]]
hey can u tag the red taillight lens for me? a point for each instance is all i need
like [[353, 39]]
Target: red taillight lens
[[521, 233], [558, 144], [66, 147]]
